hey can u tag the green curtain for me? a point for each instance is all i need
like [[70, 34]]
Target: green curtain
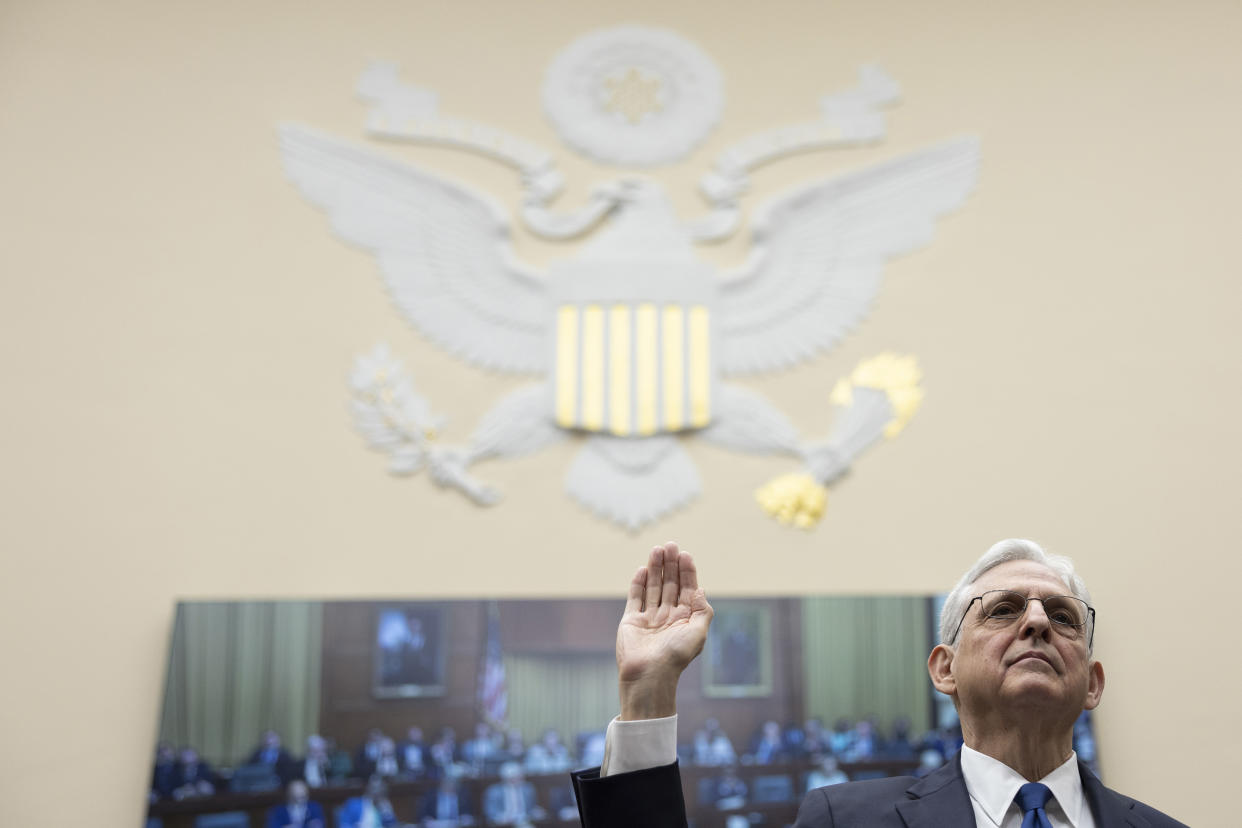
[[572, 693], [237, 669], [867, 656]]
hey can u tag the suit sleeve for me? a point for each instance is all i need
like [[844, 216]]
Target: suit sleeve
[[650, 797]]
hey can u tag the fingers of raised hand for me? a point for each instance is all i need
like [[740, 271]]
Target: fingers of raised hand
[[668, 580], [655, 569], [671, 579], [638, 585], [688, 579]]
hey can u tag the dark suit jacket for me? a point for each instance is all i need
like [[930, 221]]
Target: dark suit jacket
[[164, 778], [283, 764], [652, 798]]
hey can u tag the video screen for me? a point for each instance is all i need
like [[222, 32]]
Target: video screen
[[337, 714]]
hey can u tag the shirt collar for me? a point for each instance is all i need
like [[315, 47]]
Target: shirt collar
[[993, 784]]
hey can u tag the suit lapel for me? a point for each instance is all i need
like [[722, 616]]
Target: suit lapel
[[938, 799], [1110, 809]]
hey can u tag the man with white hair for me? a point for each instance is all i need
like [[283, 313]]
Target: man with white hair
[[1015, 655]]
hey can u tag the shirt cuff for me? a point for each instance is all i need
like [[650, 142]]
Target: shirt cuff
[[639, 744]]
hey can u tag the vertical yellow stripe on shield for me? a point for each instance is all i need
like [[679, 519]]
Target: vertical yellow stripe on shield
[[700, 367], [566, 365], [592, 367], [619, 397], [674, 366], [646, 369]]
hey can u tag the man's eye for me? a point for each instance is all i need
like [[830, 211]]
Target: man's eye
[[1065, 617], [1004, 609]]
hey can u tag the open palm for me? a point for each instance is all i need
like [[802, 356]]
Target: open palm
[[664, 627]]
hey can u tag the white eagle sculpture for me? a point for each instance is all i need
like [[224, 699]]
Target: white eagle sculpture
[[630, 341]]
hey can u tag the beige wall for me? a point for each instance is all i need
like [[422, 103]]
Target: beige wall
[[178, 325]]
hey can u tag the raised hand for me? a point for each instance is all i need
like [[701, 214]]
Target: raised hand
[[664, 627]]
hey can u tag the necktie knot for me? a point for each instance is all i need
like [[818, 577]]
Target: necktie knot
[[1031, 798]]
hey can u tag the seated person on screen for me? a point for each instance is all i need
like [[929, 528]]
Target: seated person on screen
[[511, 801], [364, 759], [270, 752], [340, 764], [841, 739], [316, 768], [548, 755], [412, 753], [769, 745], [444, 752], [194, 777], [1015, 655], [712, 746], [484, 746], [515, 746], [814, 739], [447, 805], [297, 811], [164, 774], [371, 810], [865, 744], [386, 764], [828, 772]]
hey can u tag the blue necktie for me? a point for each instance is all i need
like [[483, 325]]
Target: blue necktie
[[1031, 798]]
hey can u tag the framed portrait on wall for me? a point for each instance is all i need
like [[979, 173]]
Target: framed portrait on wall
[[409, 651], [738, 656]]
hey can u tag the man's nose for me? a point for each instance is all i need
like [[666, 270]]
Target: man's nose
[[1035, 622]]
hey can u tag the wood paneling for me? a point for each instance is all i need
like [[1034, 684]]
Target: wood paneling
[[586, 626], [349, 708]]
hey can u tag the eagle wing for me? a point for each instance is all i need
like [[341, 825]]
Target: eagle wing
[[444, 249], [818, 254]]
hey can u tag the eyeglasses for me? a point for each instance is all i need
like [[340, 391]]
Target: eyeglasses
[[1070, 616]]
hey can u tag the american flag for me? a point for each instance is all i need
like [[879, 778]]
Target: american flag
[[493, 692]]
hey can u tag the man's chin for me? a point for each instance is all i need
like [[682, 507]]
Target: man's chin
[[1036, 688]]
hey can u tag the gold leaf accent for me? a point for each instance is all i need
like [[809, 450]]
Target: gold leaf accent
[[794, 499], [896, 375]]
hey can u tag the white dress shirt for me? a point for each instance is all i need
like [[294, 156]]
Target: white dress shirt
[[992, 786], [645, 743]]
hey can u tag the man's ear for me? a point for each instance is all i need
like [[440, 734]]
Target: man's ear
[[1095, 685], [940, 668]]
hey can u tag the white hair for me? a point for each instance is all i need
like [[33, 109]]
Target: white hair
[[1013, 549]]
